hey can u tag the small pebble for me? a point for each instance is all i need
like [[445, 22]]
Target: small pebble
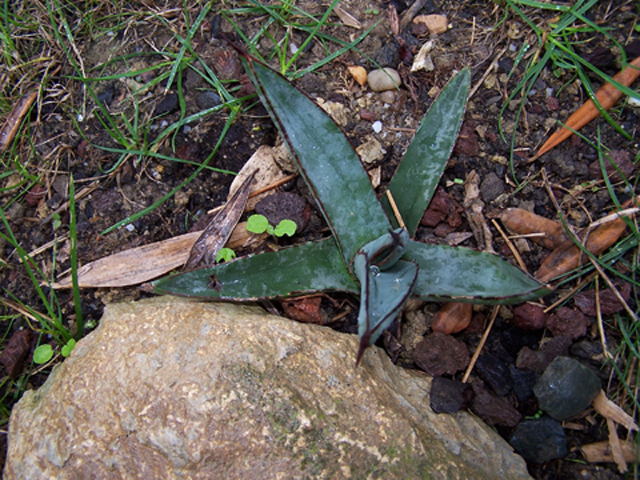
[[539, 440], [388, 96], [436, 24], [384, 79], [566, 388], [377, 126], [206, 100], [167, 105]]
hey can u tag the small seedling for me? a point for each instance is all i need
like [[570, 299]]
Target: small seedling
[[68, 348], [259, 224], [42, 354], [57, 223], [225, 255]]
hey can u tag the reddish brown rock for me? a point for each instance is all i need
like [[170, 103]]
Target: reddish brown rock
[[16, 351], [529, 317], [568, 322], [495, 410], [537, 360], [440, 354], [609, 303]]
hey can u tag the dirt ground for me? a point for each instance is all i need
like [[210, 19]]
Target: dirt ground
[[472, 40]]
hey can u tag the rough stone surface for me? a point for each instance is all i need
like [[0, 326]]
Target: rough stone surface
[[173, 388], [566, 388]]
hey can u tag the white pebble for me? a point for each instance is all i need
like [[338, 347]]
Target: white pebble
[[377, 126], [384, 79]]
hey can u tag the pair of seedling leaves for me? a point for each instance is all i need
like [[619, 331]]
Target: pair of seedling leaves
[[369, 253]]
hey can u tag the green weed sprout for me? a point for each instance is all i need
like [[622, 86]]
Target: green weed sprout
[[225, 255], [259, 224]]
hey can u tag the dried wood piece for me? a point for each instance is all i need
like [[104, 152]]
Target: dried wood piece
[[610, 410], [600, 452], [217, 232], [145, 263], [12, 124]]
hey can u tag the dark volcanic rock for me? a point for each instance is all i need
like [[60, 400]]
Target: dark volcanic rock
[[539, 440], [566, 388], [449, 396], [495, 373]]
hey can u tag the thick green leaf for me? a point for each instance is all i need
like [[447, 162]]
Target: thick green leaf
[[326, 160], [386, 282], [420, 170], [308, 268], [462, 274]]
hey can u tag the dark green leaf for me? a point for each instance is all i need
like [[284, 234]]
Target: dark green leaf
[[296, 270], [326, 160], [385, 285], [462, 274], [420, 170]]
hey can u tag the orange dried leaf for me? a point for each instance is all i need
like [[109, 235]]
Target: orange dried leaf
[[523, 222], [569, 256], [607, 96], [452, 318], [359, 74]]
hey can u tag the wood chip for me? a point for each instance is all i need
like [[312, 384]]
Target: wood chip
[[610, 410], [10, 127], [600, 452], [346, 18]]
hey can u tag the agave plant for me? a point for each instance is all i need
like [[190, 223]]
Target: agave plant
[[371, 252]]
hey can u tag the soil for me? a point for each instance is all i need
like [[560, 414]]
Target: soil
[[473, 40]]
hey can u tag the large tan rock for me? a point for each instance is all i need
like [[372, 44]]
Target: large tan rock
[[171, 388]]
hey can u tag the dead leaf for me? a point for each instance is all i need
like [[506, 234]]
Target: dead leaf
[[264, 160], [607, 96], [523, 222], [217, 232], [346, 18], [142, 264], [14, 120], [452, 318], [569, 256]]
